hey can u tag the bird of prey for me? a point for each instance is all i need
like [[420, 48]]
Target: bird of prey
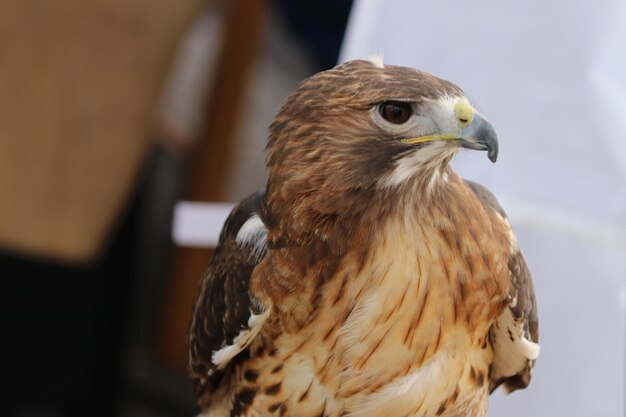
[[368, 278]]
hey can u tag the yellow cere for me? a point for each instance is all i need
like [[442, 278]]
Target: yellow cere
[[464, 113]]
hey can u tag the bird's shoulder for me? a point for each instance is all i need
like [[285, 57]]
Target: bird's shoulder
[[226, 317], [515, 334]]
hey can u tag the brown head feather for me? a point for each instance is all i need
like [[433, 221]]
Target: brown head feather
[[326, 154]]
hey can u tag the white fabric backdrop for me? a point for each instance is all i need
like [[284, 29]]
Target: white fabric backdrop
[[551, 76]]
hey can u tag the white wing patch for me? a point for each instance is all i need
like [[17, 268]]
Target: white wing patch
[[220, 358], [253, 233], [512, 350]]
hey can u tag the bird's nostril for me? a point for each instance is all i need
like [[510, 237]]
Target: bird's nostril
[[463, 113]]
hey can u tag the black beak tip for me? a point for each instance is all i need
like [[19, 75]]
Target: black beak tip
[[492, 154], [490, 139]]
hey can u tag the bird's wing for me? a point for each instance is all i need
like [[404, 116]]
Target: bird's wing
[[226, 318], [515, 334]]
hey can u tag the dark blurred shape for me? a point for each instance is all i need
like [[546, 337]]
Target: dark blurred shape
[[320, 24], [62, 330]]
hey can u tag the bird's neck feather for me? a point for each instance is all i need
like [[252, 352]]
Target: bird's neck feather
[[342, 221]]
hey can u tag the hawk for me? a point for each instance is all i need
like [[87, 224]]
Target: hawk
[[368, 278]]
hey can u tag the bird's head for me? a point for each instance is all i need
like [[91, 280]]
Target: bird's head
[[364, 129]]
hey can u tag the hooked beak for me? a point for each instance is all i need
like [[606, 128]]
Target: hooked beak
[[475, 132], [481, 136]]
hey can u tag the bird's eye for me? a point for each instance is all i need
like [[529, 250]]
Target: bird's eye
[[396, 112]]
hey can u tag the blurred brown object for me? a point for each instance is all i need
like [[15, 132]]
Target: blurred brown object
[[210, 163], [80, 82]]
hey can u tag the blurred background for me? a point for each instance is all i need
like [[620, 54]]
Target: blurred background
[[128, 128], [110, 113]]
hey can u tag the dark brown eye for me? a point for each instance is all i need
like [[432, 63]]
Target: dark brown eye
[[396, 112]]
